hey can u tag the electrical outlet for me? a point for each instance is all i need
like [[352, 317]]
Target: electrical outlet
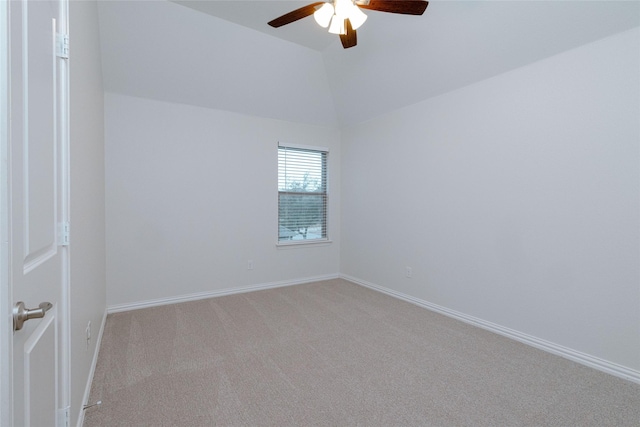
[[408, 272], [250, 264]]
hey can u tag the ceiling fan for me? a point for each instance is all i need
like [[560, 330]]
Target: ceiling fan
[[343, 17]]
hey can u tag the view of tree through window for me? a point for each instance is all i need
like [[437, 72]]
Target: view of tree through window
[[302, 194]]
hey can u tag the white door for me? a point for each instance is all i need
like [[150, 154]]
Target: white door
[[36, 210]]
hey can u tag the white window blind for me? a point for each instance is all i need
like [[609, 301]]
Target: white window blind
[[302, 194]]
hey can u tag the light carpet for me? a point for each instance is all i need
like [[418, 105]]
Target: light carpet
[[334, 353]]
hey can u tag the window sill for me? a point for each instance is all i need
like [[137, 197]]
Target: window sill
[[297, 243]]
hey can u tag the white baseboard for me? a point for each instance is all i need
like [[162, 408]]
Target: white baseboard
[[92, 371], [217, 293], [568, 353]]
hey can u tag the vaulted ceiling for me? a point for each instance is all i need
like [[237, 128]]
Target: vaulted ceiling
[[223, 55]]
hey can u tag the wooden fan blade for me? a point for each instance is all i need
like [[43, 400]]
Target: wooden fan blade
[[350, 39], [294, 15], [405, 7]]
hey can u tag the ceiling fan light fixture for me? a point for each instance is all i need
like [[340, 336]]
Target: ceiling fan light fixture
[[337, 25], [356, 17], [323, 15]]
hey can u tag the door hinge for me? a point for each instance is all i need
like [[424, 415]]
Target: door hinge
[[65, 232], [62, 46], [63, 417]]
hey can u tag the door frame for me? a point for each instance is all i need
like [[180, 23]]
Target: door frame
[[6, 292], [6, 326]]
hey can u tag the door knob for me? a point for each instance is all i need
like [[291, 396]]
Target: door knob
[[22, 314]]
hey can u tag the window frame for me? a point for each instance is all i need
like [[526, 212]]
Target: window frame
[[303, 242]]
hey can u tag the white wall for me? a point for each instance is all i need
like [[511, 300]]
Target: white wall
[[164, 51], [87, 249], [191, 196], [514, 200]]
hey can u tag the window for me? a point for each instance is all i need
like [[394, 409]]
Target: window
[[302, 194]]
